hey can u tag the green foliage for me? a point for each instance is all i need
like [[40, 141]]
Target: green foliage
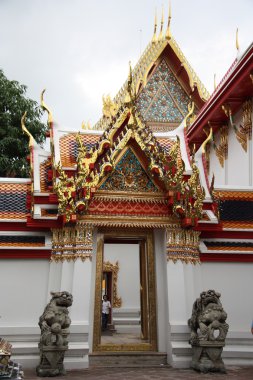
[[14, 146]]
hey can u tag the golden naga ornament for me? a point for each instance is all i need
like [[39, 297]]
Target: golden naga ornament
[[109, 107]]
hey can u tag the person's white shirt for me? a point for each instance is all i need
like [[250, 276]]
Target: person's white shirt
[[106, 305]]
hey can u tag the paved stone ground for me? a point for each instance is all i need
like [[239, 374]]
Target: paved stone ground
[[165, 373]]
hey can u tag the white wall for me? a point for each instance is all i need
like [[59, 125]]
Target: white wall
[[24, 285]]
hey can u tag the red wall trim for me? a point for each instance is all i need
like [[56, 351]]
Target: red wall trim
[[227, 234], [25, 254], [226, 257]]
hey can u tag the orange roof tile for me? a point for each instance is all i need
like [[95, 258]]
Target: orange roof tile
[[234, 195], [68, 147]]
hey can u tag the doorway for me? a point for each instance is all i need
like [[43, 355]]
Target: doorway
[[125, 272]]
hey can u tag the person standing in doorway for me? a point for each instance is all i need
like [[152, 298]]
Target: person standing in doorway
[[106, 306]]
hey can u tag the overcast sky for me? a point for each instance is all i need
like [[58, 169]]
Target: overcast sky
[[79, 50]]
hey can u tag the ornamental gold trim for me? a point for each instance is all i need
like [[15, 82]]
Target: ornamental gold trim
[[72, 243], [221, 149], [183, 245], [133, 196], [114, 269], [244, 132], [129, 221]]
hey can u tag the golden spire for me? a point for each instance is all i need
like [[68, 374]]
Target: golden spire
[[25, 130], [45, 107], [168, 32], [214, 82], [161, 29], [237, 41], [154, 39]]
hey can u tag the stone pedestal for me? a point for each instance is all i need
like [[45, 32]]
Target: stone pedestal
[[207, 357], [51, 361]]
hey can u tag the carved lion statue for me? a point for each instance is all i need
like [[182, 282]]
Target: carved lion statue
[[54, 322], [207, 317]]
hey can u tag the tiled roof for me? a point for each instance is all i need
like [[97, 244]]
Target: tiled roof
[[43, 176], [234, 210], [165, 143], [234, 195], [13, 200], [232, 224], [22, 241], [228, 246], [68, 147]]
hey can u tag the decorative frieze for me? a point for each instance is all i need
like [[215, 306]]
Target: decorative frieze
[[182, 245], [71, 243]]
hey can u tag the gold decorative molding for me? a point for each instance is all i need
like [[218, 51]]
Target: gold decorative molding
[[244, 132], [71, 243], [129, 221], [221, 149], [182, 245], [114, 269]]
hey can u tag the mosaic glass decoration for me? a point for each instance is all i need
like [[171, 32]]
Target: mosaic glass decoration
[[163, 100], [129, 176]]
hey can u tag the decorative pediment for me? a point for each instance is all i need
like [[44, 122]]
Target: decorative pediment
[[128, 176], [163, 100]]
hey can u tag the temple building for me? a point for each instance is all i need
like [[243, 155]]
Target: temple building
[[151, 206]]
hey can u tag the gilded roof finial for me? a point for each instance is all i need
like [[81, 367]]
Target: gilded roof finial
[[129, 85], [214, 82], [86, 126], [45, 107], [237, 41], [25, 130], [168, 32], [109, 107], [160, 38], [154, 39]]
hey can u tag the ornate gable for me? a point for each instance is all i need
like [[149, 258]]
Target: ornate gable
[[129, 176], [163, 100]]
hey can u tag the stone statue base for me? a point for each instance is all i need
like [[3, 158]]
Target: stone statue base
[[51, 361], [207, 357]]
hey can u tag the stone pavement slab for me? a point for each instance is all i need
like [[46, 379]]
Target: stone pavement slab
[[162, 373]]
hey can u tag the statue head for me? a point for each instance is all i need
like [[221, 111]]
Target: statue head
[[209, 296], [62, 298]]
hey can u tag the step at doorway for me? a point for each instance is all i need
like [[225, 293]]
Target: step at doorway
[[127, 359]]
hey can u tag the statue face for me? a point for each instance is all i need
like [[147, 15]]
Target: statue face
[[209, 297], [63, 299]]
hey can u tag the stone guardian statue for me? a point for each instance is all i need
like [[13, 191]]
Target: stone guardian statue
[[208, 332], [54, 324]]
